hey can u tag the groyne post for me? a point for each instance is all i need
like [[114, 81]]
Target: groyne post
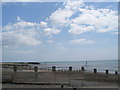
[[14, 74], [35, 69], [62, 86], [36, 74], [74, 88], [82, 68], [15, 68], [95, 71], [53, 68], [116, 73], [70, 68], [107, 71]]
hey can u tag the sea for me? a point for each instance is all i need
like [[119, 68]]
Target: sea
[[100, 65]]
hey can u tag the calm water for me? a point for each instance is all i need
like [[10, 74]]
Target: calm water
[[101, 66]]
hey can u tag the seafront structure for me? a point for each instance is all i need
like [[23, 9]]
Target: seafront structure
[[64, 78]]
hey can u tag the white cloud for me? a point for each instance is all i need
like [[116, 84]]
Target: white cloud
[[62, 16], [26, 33], [20, 33], [75, 16], [50, 41], [73, 5], [50, 31], [82, 41], [79, 29], [83, 18], [43, 24], [103, 20]]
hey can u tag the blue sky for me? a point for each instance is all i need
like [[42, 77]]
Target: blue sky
[[59, 31]]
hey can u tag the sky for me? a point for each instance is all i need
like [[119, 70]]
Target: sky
[[59, 31]]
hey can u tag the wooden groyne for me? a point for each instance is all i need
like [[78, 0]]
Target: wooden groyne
[[52, 76]]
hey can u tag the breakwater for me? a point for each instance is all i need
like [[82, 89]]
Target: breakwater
[[78, 78]]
